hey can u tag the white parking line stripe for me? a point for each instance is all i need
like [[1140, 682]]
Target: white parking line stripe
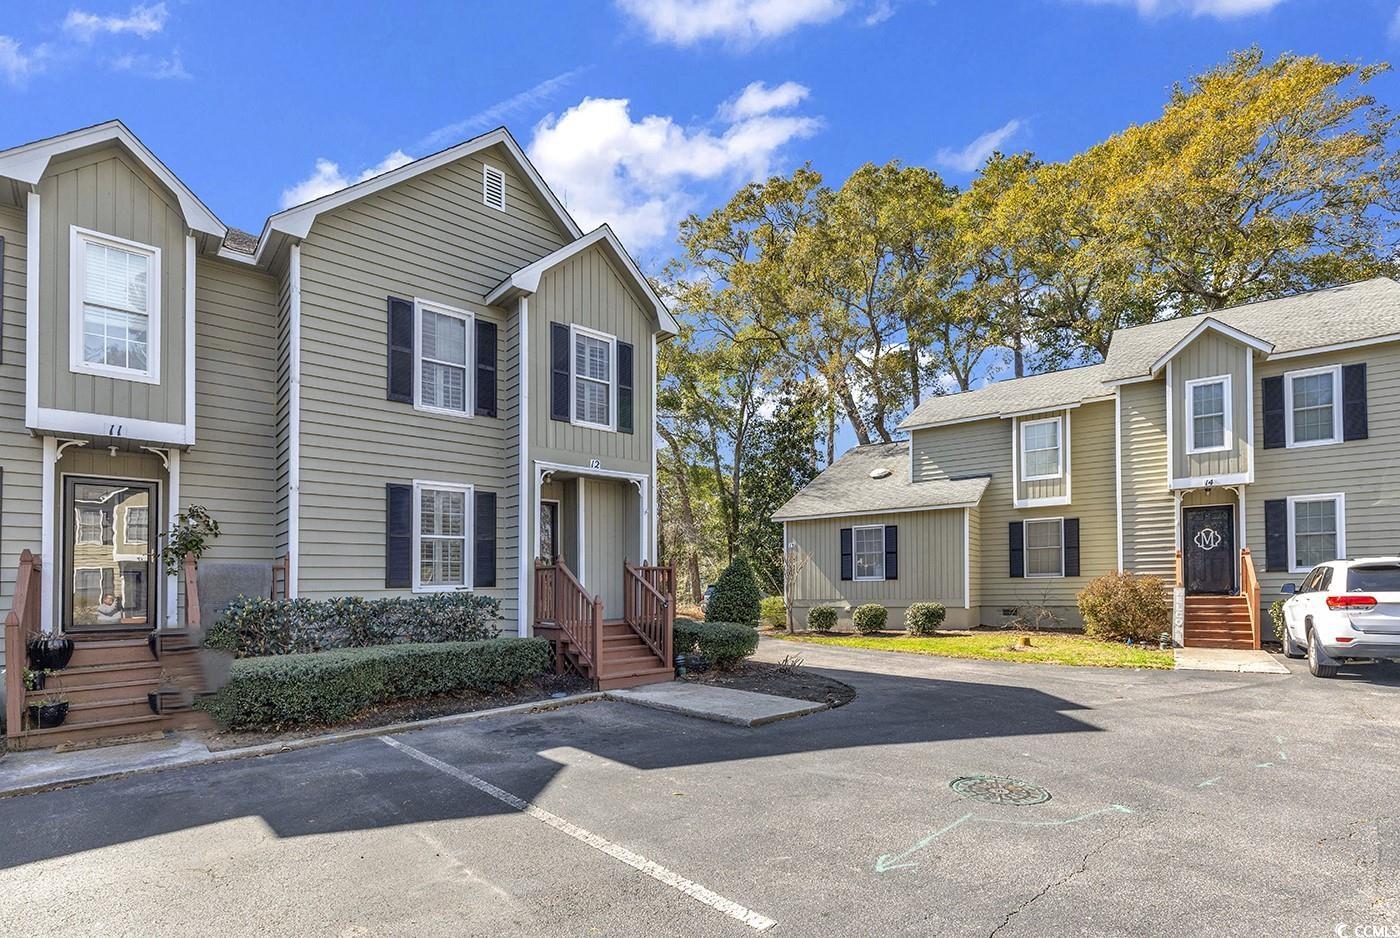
[[636, 861]]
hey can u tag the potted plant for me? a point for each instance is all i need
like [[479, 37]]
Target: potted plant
[[47, 713], [49, 652], [34, 680]]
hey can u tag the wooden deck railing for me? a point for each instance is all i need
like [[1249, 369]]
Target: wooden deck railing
[[1249, 589], [561, 601], [21, 624], [648, 606]]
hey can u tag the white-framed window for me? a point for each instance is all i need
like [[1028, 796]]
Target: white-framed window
[[91, 525], [1316, 530], [87, 585], [137, 519], [442, 536], [114, 298], [442, 341], [1042, 452], [493, 187], [593, 372], [1045, 547], [1209, 414], [868, 551], [1313, 406]]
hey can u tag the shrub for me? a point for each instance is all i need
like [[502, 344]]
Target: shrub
[[332, 686], [924, 618], [869, 618], [821, 618], [1276, 617], [1119, 605], [736, 594], [722, 643], [772, 612], [252, 627]]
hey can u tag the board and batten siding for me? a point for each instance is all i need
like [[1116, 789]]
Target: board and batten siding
[[1044, 488], [611, 531], [108, 192], [1211, 355], [930, 566], [1149, 512]]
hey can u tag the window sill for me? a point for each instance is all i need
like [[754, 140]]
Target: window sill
[[1223, 448], [1044, 576], [869, 579], [1058, 475], [1309, 444], [443, 589], [111, 371], [585, 425], [443, 412]]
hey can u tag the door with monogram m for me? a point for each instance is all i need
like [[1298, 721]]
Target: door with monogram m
[[1208, 543]]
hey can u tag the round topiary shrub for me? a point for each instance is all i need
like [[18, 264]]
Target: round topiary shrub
[[772, 612], [924, 618], [736, 596], [869, 618], [1119, 605], [821, 618]]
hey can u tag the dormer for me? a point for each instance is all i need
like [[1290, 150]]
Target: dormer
[[1040, 458]]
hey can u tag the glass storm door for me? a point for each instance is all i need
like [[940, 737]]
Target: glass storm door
[[549, 531], [109, 575]]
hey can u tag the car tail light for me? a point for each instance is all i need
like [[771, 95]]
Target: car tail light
[[1343, 639], [1351, 602]]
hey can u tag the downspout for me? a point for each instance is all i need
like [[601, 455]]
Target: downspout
[[525, 540], [294, 426]]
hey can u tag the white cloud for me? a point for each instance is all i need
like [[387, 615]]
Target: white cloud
[[497, 113], [1394, 31], [758, 99], [1220, 9], [880, 11], [972, 156], [16, 64], [142, 20], [327, 178], [642, 176], [149, 66], [684, 22]]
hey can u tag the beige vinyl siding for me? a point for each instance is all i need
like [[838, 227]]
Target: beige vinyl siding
[[1365, 471], [1037, 489], [1211, 355], [1149, 514], [974, 552], [106, 191], [930, 566], [588, 290], [232, 469]]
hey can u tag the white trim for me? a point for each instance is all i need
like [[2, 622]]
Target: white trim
[[33, 237], [172, 509], [1133, 379], [558, 517], [933, 425], [575, 331], [1227, 404], [1337, 434], [579, 520], [1212, 325], [1249, 416], [654, 495], [468, 538], [190, 362], [524, 610], [155, 592], [876, 511], [1026, 550], [1118, 468], [1010, 415], [1203, 482], [77, 265], [1335, 347], [294, 423], [1171, 428], [64, 422], [855, 554], [1341, 519], [551, 467], [48, 516], [469, 353], [1059, 421], [967, 558], [488, 171]]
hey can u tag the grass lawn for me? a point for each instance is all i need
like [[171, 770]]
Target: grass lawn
[[998, 646]]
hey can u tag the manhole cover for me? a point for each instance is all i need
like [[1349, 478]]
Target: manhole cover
[[998, 789]]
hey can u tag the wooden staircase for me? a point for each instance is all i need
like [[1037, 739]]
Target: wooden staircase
[[1218, 622]]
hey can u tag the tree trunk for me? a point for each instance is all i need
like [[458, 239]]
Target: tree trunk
[[688, 527]]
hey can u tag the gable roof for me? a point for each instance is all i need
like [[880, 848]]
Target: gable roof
[[526, 280], [1209, 325], [846, 487]]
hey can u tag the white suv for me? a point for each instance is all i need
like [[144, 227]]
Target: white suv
[[1344, 609]]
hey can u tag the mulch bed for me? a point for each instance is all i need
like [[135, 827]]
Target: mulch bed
[[779, 680]]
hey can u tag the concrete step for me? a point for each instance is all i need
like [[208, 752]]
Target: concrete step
[[648, 676]]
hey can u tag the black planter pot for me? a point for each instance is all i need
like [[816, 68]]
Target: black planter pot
[[50, 654], [47, 716]]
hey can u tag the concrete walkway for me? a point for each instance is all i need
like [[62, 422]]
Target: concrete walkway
[[1243, 660], [721, 704]]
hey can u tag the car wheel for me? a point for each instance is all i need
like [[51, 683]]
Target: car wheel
[[1315, 664], [1291, 649]]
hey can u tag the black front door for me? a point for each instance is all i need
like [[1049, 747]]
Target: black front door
[[1208, 543]]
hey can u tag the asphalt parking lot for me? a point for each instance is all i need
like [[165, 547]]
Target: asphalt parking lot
[[1179, 803]]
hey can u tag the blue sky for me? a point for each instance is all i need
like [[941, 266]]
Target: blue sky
[[635, 110]]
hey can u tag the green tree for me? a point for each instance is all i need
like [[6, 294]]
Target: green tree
[[736, 597], [782, 460]]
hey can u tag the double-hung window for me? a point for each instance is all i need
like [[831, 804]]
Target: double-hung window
[[868, 549], [114, 326], [594, 379], [91, 526], [1316, 530], [1045, 547], [443, 359], [136, 521], [442, 535], [1208, 414], [1041, 452], [1312, 399]]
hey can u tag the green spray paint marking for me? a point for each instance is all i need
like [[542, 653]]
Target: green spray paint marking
[[886, 862]]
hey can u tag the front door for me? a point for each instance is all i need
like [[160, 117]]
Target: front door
[[549, 531], [1208, 544], [109, 575]]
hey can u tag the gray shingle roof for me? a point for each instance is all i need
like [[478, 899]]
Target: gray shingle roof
[[241, 241], [846, 487]]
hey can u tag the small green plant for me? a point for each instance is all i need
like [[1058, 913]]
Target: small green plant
[[736, 596], [724, 644], [772, 612], [1119, 606], [33, 680], [924, 618], [821, 618], [190, 535], [1276, 617], [869, 618]]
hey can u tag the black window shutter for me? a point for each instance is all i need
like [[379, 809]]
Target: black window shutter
[[400, 384], [1274, 434], [485, 368], [848, 559], [624, 387], [559, 353], [398, 540], [484, 535], [1354, 402], [1276, 535], [1016, 534], [1071, 534], [891, 552]]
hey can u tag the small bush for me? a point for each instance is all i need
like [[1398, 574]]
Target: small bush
[[772, 612], [332, 686], [252, 627], [736, 596], [1276, 617], [722, 643], [821, 618], [869, 618], [924, 618], [1119, 606]]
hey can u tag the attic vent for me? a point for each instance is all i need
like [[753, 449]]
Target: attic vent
[[493, 187], [882, 472]]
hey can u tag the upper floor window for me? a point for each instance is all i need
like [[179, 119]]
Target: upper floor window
[[1208, 414], [1041, 450], [136, 524], [868, 549], [442, 360], [594, 378], [115, 298], [1311, 413], [441, 533]]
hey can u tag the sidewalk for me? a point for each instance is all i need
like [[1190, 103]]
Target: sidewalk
[[1243, 660]]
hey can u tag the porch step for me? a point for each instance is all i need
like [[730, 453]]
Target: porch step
[[101, 711], [72, 678], [71, 732], [107, 651], [89, 692], [616, 681]]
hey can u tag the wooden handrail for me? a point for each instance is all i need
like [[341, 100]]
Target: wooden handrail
[[561, 600], [648, 598], [1180, 579], [192, 617], [21, 623], [1249, 588]]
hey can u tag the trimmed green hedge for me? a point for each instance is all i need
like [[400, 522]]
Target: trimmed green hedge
[[821, 618], [924, 618], [332, 686], [723, 643], [869, 618]]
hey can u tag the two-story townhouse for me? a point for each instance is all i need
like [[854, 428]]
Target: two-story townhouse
[[427, 381], [1226, 453]]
